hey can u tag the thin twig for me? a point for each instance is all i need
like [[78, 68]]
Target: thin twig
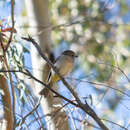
[[39, 119], [33, 110], [101, 84], [12, 20], [115, 124], [71, 23]]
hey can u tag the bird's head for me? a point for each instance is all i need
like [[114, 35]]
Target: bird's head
[[69, 53]]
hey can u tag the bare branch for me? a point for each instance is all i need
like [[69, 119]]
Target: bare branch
[[85, 107], [31, 76], [115, 124], [33, 110], [101, 84], [12, 19], [85, 20]]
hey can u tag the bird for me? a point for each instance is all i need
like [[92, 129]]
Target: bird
[[64, 65]]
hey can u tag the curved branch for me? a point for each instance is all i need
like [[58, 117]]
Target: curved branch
[[85, 107]]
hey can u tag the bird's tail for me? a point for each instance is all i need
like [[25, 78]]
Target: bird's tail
[[45, 91]]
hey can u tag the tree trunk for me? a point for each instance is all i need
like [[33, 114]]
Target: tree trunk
[[6, 103], [38, 15]]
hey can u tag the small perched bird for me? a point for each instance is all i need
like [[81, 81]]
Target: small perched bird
[[64, 65]]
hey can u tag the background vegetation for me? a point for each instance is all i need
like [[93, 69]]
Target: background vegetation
[[98, 31]]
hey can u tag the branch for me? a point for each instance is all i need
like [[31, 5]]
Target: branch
[[92, 20], [33, 110], [100, 84], [12, 19], [115, 124], [39, 121], [31, 76], [85, 107]]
